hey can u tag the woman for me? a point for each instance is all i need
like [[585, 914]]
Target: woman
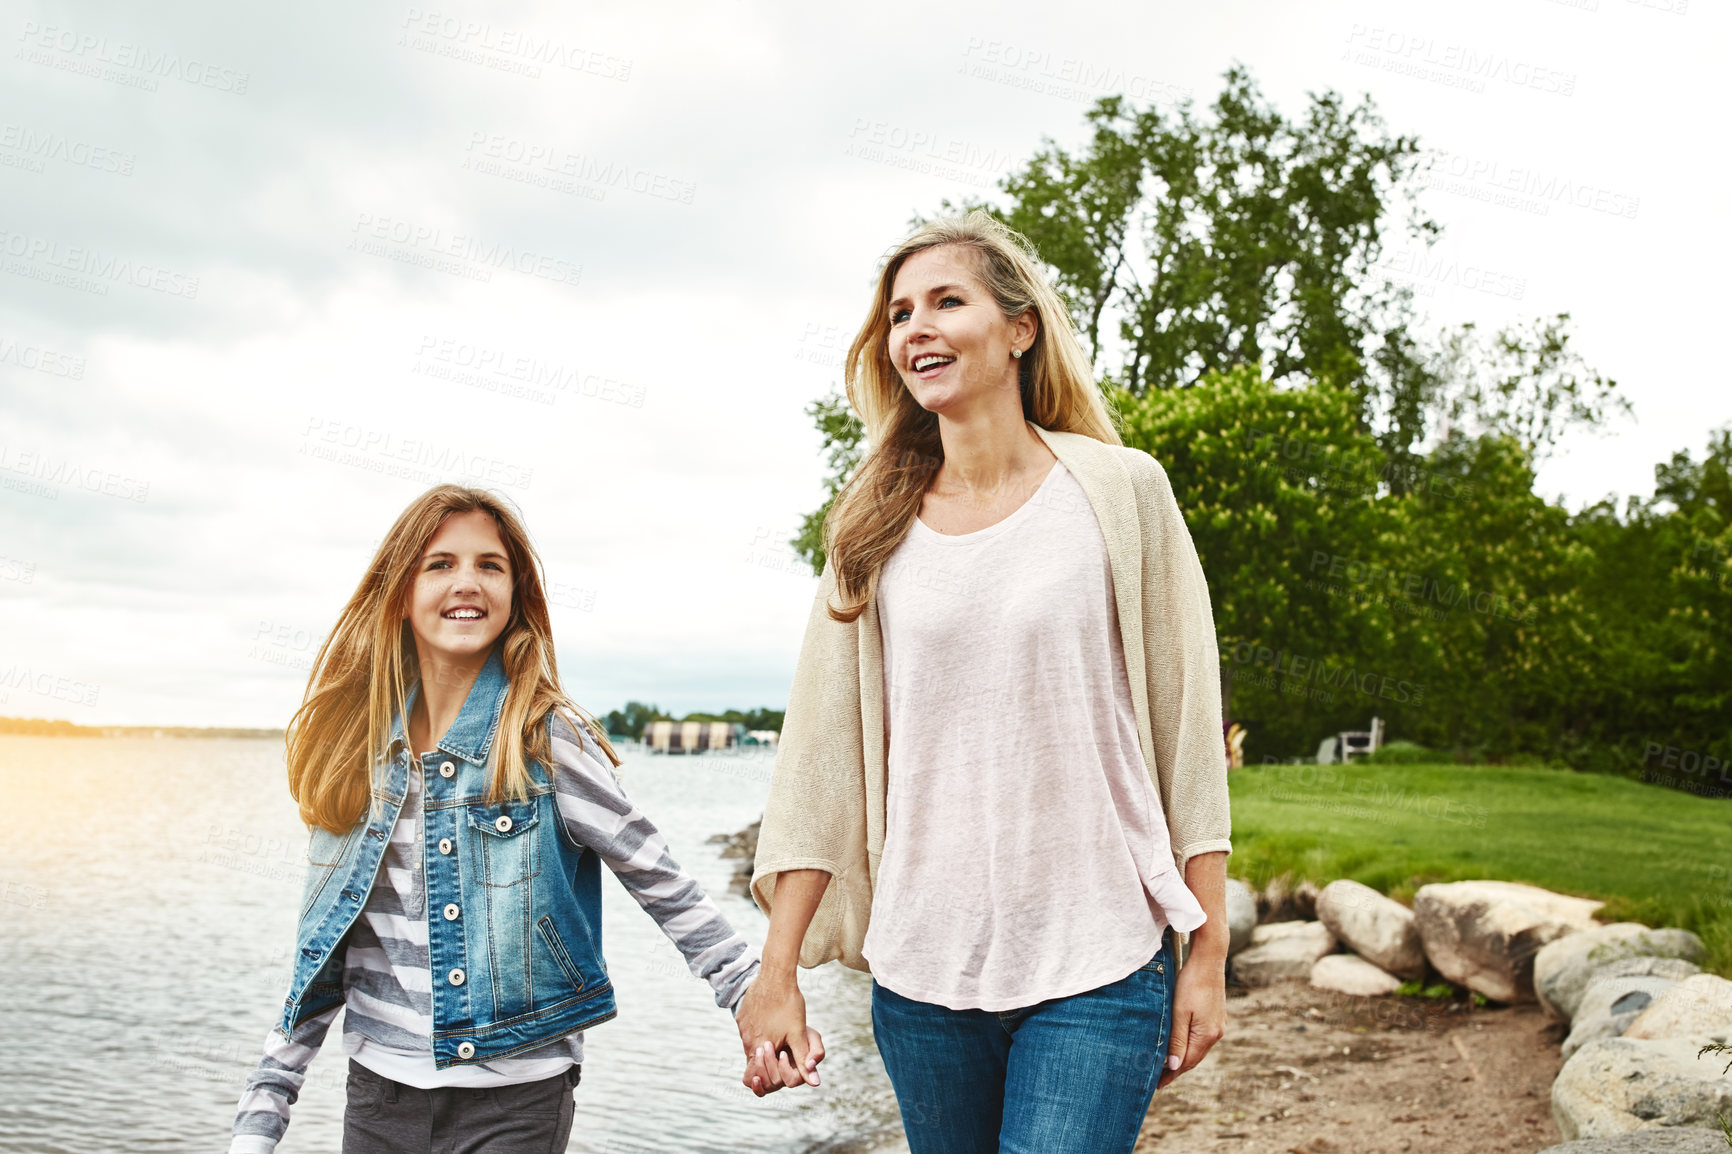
[[460, 807], [1000, 786]]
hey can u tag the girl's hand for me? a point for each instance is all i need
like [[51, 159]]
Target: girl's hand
[[781, 1050], [1199, 1014]]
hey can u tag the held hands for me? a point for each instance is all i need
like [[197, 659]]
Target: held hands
[[781, 1050]]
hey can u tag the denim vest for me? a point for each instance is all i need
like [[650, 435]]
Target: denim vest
[[514, 906]]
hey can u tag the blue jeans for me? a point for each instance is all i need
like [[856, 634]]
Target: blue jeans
[[1066, 1076]]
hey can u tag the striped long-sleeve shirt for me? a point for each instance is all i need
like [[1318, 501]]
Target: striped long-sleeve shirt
[[386, 975]]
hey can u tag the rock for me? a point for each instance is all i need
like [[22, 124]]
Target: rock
[[1594, 1027], [1241, 915], [1617, 1085], [1275, 904], [743, 844], [1609, 1007], [1564, 968], [742, 849], [1347, 974], [1699, 1008], [1280, 931], [1647, 1142], [1270, 897], [1484, 935], [1669, 969], [1283, 901], [1283, 952], [1378, 929]]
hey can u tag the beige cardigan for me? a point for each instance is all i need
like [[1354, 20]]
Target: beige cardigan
[[826, 804]]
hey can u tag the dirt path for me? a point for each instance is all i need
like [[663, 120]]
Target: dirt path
[[1306, 1072]]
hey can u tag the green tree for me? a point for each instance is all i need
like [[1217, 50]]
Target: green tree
[[1525, 383], [629, 722], [842, 433], [1278, 488], [1188, 243], [1490, 615], [1232, 237], [750, 718], [1660, 597]]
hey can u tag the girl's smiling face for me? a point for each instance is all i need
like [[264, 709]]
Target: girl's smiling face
[[460, 600], [949, 339]]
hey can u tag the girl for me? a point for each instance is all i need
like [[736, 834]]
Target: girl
[[1000, 785], [460, 805]]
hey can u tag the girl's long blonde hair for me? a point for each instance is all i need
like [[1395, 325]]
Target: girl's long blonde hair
[[874, 510], [361, 680]]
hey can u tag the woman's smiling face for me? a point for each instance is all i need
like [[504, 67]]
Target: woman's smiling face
[[460, 601], [949, 340]]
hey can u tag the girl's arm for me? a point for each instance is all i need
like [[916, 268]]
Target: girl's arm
[[599, 815], [275, 1083]]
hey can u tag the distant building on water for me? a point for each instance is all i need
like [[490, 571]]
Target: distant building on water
[[692, 736]]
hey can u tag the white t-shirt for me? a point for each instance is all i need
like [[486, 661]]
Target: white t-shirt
[[1026, 855]]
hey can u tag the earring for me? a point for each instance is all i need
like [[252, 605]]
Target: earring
[[1017, 353]]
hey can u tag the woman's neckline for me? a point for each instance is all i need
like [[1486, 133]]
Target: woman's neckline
[[998, 525]]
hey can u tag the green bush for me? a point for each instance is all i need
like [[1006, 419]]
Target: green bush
[[1407, 753]]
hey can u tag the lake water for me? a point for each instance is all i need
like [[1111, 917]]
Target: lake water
[[148, 892]]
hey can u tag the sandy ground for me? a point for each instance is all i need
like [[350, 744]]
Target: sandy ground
[[1302, 1071]]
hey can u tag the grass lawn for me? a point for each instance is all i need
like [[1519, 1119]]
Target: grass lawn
[[1654, 855]]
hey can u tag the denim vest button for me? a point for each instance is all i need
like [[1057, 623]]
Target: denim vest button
[[451, 912], [445, 845], [456, 977], [503, 825], [446, 769], [466, 1050]]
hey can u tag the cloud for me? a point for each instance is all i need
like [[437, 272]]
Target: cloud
[[610, 288]]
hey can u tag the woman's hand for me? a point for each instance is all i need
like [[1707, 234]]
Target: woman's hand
[[1199, 1014], [1200, 996], [781, 1050]]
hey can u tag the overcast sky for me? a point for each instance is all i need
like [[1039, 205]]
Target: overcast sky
[[252, 303]]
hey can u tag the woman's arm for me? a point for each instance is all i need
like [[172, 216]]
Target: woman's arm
[[1200, 997], [263, 1113], [772, 1015]]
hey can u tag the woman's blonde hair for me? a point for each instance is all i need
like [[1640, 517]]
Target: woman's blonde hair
[[874, 510], [361, 680]]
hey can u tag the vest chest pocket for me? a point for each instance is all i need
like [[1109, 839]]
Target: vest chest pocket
[[326, 853], [506, 850]]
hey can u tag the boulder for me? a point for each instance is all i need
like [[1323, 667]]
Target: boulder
[[1698, 1008], [1647, 1142], [1484, 935], [1283, 952], [1283, 901], [1347, 974], [1241, 915], [1618, 1085], [1282, 931], [1564, 968], [1378, 929], [1609, 1007]]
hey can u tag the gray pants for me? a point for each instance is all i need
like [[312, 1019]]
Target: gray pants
[[387, 1117]]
